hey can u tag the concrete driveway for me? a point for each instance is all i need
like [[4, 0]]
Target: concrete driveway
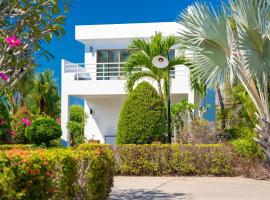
[[189, 188]]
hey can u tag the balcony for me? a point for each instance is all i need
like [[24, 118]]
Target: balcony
[[80, 79]]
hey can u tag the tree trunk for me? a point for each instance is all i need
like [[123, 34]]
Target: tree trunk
[[222, 110], [264, 136], [160, 91]]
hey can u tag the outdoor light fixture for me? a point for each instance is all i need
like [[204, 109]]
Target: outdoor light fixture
[[162, 62]]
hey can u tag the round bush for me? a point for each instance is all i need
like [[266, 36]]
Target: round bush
[[143, 117], [43, 130]]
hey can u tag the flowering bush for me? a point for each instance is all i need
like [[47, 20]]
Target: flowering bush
[[21, 120], [56, 174]]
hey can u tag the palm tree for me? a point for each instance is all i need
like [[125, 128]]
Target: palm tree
[[221, 53], [45, 95], [139, 65]]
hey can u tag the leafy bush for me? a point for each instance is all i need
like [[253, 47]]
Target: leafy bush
[[5, 127], [182, 160], [76, 125], [198, 132], [143, 117], [19, 127], [43, 130], [245, 145], [56, 174]]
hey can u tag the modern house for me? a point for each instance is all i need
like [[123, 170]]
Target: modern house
[[100, 81]]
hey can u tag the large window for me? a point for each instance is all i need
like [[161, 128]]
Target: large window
[[111, 66], [110, 63]]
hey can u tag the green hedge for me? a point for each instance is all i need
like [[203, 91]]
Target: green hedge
[[143, 117], [182, 160], [56, 174]]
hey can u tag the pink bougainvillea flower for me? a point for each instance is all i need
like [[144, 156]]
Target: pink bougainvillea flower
[[26, 121], [3, 122], [3, 76], [13, 41]]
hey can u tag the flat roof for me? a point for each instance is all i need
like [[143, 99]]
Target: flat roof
[[84, 33]]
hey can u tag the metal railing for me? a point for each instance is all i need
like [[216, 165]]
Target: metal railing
[[106, 71]]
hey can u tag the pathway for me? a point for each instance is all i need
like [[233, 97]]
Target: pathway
[[189, 188]]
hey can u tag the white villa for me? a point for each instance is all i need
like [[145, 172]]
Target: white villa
[[99, 80]]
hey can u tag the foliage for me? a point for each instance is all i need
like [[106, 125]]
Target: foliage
[[18, 127], [76, 125], [198, 132], [139, 64], [240, 49], [32, 24], [245, 145], [182, 160], [239, 107], [43, 130], [56, 174], [44, 97], [143, 117], [5, 127]]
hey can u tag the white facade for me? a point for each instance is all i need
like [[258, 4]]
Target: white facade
[[101, 84]]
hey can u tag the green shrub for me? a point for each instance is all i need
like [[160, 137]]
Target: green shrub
[[76, 125], [43, 130], [56, 174], [5, 127], [143, 117], [245, 145], [18, 127], [182, 160]]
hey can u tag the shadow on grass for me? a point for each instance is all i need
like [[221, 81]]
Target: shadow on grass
[[145, 195]]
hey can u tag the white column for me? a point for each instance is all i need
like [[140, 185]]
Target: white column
[[87, 127], [64, 116], [64, 106]]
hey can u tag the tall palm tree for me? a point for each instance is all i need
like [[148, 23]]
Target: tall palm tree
[[45, 95], [139, 65], [219, 52]]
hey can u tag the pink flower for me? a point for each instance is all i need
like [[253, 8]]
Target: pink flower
[[26, 121], [13, 41], [3, 122], [3, 76]]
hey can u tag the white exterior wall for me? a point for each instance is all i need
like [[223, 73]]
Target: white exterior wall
[[105, 97]]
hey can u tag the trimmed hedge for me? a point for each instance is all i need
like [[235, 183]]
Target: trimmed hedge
[[56, 174], [182, 160], [143, 117]]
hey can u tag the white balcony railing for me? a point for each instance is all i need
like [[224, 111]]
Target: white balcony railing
[[107, 71]]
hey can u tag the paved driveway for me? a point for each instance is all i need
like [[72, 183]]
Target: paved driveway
[[189, 188]]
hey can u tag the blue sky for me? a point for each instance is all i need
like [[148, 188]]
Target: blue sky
[[88, 12]]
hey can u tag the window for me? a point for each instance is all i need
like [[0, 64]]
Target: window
[[111, 71]]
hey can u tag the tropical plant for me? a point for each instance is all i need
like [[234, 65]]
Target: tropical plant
[[5, 127], [143, 117], [44, 97], [25, 26], [76, 125], [139, 65], [220, 53]]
